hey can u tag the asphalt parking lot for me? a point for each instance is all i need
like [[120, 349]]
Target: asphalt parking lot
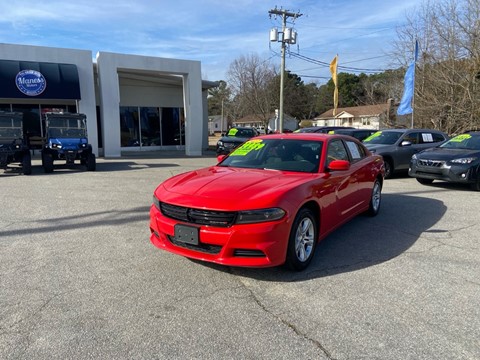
[[79, 278]]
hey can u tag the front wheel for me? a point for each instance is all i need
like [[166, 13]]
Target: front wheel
[[90, 162], [302, 241], [47, 162]]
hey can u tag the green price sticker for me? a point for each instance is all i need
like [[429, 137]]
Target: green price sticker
[[251, 145], [461, 138], [373, 136], [232, 132]]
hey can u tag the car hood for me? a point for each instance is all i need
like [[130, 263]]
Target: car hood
[[234, 139], [224, 188], [438, 153]]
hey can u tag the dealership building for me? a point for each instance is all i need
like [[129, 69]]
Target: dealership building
[[132, 102]]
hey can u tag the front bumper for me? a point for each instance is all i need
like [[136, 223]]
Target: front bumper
[[441, 170], [248, 245]]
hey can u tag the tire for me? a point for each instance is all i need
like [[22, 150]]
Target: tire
[[388, 169], [27, 163], [424, 181], [375, 199], [47, 163], [91, 163], [302, 240]]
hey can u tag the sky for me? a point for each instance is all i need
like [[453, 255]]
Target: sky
[[215, 32]]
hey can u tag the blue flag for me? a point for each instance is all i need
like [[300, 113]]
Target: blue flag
[[405, 106]]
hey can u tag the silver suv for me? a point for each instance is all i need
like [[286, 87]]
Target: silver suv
[[398, 145]]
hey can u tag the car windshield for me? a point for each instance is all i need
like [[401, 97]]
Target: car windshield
[[463, 141], [244, 133], [65, 127], [10, 127], [277, 154], [383, 137]]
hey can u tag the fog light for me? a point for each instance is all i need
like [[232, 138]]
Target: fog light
[[463, 176]]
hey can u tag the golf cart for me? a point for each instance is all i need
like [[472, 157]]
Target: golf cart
[[13, 145]]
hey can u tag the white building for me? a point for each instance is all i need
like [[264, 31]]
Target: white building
[[132, 102]]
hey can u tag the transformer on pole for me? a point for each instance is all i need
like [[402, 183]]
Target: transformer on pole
[[286, 36]]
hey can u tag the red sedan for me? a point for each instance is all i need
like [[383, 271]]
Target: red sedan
[[269, 202]]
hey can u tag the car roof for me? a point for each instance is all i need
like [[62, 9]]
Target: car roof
[[411, 130], [304, 136]]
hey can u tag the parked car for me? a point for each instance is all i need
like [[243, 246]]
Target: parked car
[[269, 202], [234, 137], [457, 160], [360, 134], [398, 145], [321, 129]]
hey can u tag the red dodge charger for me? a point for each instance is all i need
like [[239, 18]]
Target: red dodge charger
[[269, 202]]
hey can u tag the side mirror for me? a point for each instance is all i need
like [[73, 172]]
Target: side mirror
[[221, 157], [406, 143], [339, 165]]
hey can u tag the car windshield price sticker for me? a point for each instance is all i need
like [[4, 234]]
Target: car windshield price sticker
[[232, 132], [251, 145], [461, 138]]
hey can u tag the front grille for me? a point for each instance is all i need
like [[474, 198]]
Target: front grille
[[431, 163], [198, 216], [205, 248]]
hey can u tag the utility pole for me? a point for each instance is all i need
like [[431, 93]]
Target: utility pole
[[287, 36]]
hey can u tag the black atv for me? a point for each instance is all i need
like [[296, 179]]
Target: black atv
[[13, 145], [66, 139]]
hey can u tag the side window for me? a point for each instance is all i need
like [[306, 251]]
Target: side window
[[336, 151], [412, 137], [437, 137], [356, 151]]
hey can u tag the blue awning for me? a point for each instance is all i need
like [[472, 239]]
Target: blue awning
[[38, 80]]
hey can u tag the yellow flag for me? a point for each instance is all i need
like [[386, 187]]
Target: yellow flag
[[333, 70]]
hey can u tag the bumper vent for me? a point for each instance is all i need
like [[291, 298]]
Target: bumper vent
[[197, 216], [205, 248], [248, 253]]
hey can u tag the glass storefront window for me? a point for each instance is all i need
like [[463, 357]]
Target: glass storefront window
[[129, 126], [31, 118], [150, 125], [173, 126], [155, 126]]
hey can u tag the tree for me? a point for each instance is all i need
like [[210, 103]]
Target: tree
[[447, 85], [218, 98], [249, 78]]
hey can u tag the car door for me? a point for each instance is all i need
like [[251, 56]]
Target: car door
[[340, 185], [406, 150]]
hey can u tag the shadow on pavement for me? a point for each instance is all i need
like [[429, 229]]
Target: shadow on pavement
[[362, 242]]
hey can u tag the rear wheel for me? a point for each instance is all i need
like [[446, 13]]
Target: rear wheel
[[302, 241], [424, 181], [27, 163], [388, 169], [376, 199], [47, 162]]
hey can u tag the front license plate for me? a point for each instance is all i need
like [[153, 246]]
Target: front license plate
[[186, 234]]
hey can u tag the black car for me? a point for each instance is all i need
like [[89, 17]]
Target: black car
[[322, 129], [235, 137], [457, 160], [398, 145], [359, 134]]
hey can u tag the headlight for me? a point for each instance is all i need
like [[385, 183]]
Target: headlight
[[414, 157], [257, 216], [156, 202], [468, 160], [220, 143], [56, 146]]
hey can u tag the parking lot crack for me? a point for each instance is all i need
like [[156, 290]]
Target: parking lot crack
[[290, 325]]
